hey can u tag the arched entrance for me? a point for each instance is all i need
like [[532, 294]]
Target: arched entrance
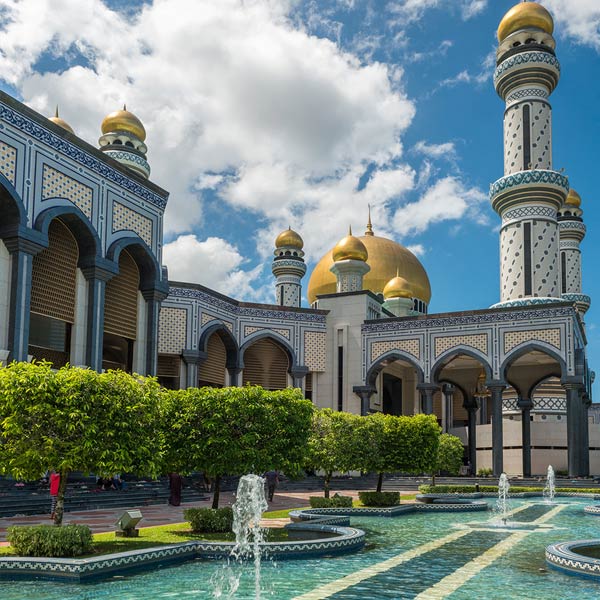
[[213, 370], [266, 363]]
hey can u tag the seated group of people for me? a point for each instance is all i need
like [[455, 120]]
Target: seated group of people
[[109, 483]]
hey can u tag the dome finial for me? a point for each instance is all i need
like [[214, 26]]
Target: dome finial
[[349, 229], [369, 230], [56, 116], [60, 122]]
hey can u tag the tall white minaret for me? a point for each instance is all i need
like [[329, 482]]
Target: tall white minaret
[[530, 194], [572, 232], [289, 268]]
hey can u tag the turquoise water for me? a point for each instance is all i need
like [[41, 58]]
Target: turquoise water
[[521, 573]]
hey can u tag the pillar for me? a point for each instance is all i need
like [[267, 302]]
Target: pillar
[[192, 359], [525, 404], [585, 437], [298, 374], [22, 252], [234, 376], [574, 433], [496, 389], [448, 416], [427, 390], [153, 298], [364, 392], [472, 405]]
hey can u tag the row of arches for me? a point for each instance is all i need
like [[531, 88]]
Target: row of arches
[[462, 393], [66, 300]]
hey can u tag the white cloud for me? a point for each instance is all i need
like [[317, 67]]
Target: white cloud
[[579, 19], [213, 262], [414, 10], [446, 150], [417, 249], [447, 199]]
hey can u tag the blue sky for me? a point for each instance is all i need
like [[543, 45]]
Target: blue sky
[[265, 113]]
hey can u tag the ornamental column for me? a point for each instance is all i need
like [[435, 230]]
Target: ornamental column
[[472, 406], [22, 251], [448, 395], [525, 404], [364, 392], [529, 195], [574, 427], [427, 390], [192, 359], [153, 299], [496, 388]]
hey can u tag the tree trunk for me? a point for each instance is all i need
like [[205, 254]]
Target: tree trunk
[[380, 482], [326, 485], [433, 480], [216, 491], [60, 499]]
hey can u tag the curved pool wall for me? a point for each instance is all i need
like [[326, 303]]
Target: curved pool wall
[[592, 510], [340, 539], [565, 557]]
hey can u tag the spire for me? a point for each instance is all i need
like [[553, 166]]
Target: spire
[[369, 230], [349, 229], [56, 112]]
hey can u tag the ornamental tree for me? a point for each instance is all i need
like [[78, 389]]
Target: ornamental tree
[[449, 457], [77, 419], [236, 430], [334, 444]]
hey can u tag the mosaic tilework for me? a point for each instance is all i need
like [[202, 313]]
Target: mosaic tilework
[[207, 318], [126, 218], [409, 346], [315, 345], [8, 162], [479, 342], [514, 338], [172, 327], [58, 185], [249, 330]]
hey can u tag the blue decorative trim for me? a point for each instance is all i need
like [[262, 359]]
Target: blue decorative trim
[[533, 301], [130, 156], [524, 58], [77, 154], [536, 176], [581, 298], [233, 307], [564, 557]]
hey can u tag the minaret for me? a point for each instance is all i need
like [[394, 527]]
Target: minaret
[[398, 297], [123, 138], [289, 268], [350, 263], [529, 195], [572, 232]]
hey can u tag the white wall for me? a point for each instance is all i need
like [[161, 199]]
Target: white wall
[[79, 329], [5, 262]]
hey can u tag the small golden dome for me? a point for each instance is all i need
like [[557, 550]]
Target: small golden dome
[[350, 248], [397, 287], [290, 239], [123, 120], [60, 122], [524, 16], [573, 199]]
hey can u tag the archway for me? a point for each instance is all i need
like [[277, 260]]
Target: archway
[[266, 362]]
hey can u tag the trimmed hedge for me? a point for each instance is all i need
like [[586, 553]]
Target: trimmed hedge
[[336, 501], [209, 520], [470, 489], [50, 541], [379, 498]]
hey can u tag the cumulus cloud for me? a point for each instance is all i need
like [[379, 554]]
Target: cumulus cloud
[[447, 199], [579, 19], [446, 150], [212, 262], [413, 10]]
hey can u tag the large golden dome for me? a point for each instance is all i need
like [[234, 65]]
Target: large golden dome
[[523, 16], [387, 259], [123, 120]]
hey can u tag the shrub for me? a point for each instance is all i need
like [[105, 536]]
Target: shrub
[[336, 501], [379, 498], [209, 520], [470, 489], [50, 541], [484, 472]]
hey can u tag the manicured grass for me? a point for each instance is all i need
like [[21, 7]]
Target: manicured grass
[[280, 514]]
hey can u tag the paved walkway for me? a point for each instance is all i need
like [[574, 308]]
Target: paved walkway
[[105, 519]]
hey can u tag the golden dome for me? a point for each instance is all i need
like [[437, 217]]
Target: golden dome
[[573, 199], [289, 238], [123, 120], [523, 16], [397, 287], [60, 122], [387, 259], [349, 248]]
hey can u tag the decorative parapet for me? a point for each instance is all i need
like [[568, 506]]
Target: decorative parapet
[[542, 177]]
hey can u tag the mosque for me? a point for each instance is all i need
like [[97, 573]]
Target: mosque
[[82, 282]]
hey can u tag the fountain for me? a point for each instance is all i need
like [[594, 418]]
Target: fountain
[[549, 489], [250, 504], [502, 505]]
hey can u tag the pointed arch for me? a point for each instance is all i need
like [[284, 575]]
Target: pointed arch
[[392, 356], [150, 271], [12, 209], [528, 347], [278, 339], [445, 359], [229, 341]]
